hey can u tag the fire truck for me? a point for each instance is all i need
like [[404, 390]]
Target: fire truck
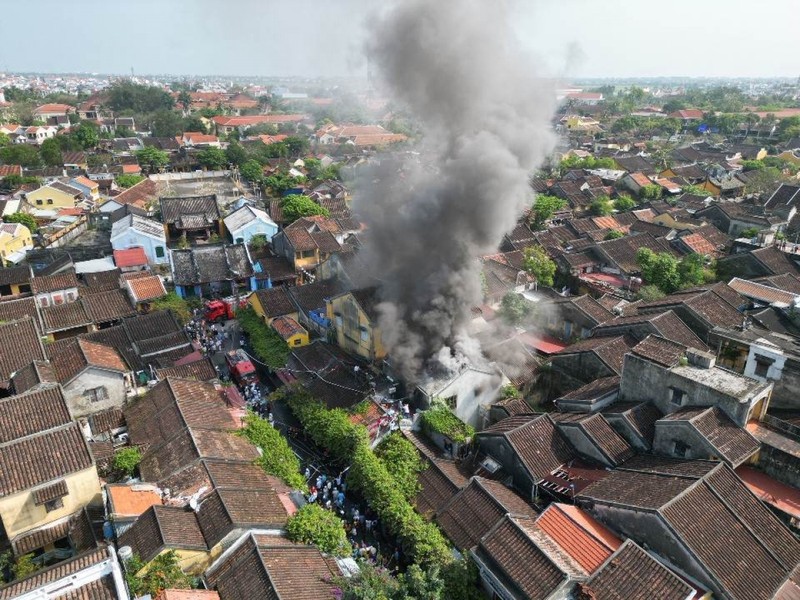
[[241, 367]]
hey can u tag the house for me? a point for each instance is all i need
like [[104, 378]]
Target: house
[[125, 502], [590, 397], [15, 241], [260, 565], [759, 263], [196, 139], [592, 437], [355, 322], [783, 201], [590, 359], [529, 448], [574, 317], [247, 222], [46, 111], [439, 481], [311, 301], [635, 182], [290, 331], [49, 472], [136, 231], [209, 270], [686, 115], [142, 196], [36, 134], [15, 281], [55, 195], [308, 242], [272, 303], [733, 218], [358, 135], [191, 216], [131, 260], [90, 188], [666, 324], [94, 376], [270, 271], [227, 124], [23, 335], [672, 377], [143, 290], [701, 518]]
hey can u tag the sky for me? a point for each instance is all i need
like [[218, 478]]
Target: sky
[[309, 38]]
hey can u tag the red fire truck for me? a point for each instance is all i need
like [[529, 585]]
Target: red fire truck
[[241, 367]]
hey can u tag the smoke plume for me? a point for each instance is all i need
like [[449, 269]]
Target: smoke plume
[[457, 66]]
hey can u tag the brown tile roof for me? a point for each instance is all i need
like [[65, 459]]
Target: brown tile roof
[[593, 308], [59, 317], [69, 357], [611, 350], [637, 489], [660, 350], [31, 375], [623, 251], [11, 310], [146, 288], [774, 260], [40, 458], [473, 511], [699, 244], [41, 284], [287, 327], [275, 301], [667, 324], [32, 412], [637, 573], [641, 416], [730, 442], [139, 195], [9, 275], [102, 281], [762, 293], [226, 509], [203, 209], [106, 420], [20, 344], [594, 389], [163, 527], [108, 306], [312, 233], [601, 434], [786, 282], [199, 370], [438, 482]]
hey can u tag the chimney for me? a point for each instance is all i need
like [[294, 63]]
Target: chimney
[[700, 359]]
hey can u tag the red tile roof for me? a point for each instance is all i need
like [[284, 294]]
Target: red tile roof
[[131, 257], [586, 540], [146, 288], [697, 243]]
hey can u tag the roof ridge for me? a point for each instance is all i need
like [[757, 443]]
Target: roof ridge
[[56, 428]]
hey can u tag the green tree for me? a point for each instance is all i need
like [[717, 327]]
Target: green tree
[[166, 123], [296, 145], [537, 263], [25, 155], [763, 181], [312, 524], [648, 293], [297, 206], [277, 457], [24, 219], [236, 154], [692, 270], [543, 209], [152, 158], [750, 232], [194, 124], [252, 171], [127, 180], [613, 235], [659, 269], [401, 459], [127, 460], [695, 190], [652, 191], [212, 158], [86, 135], [24, 566], [258, 242], [176, 304], [268, 346], [184, 99], [126, 95], [624, 204], [50, 151], [601, 207], [163, 572], [514, 309], [4, 139]]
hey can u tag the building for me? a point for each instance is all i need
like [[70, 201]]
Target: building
[[15, 241], [290, 331], [136, 231], [354, 317], [15, 281], [193, 217], [212, 270], [248, 222], [55, 195], [308, 242]]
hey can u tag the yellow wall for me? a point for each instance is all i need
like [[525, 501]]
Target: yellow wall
[[191, 562], [710, 188], [349, 335], [298, 340], [259, 310], [10, 244], [60, 199], [20, 514], [308, 262]]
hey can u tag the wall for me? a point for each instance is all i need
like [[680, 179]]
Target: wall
[[623, 427], [578, 369], [67, 234], [578, 439], [20, 514], [256, 227], [473, 389], [669, 431], [81, 406], [189, 176], [132, 238], [39, 198], [779, 464], [356, 335]]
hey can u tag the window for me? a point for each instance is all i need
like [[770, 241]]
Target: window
[[97, 394], [159, 251], [297, 342], [58, 299], [364, 334], [240, 240], [763, 364], [70, 296], [43, 301], [677, 396], [55, 504], [39, 203], [680, 449], [450, 401], [49, 200]]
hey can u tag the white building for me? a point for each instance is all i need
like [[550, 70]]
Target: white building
[[133, 230], [247, 222]]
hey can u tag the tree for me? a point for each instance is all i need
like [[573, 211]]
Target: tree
[[624, 203], [543, 209], [652, 191], [297, 206], [25, 155], [163, 572], [24, 219], [659, 269], [312, 524], [268, 346], [50, 151], [127, 460], [236, 154], [763, 181], [176, 304], [184, 99], [127, 180], [86, 134], [537, 263], [152, 158], [514, 309], [750, 232], [601, 207], [4, 139], [695, 190], [166, 123], [692, 270], [648, 293], [613, 235], [194, 124], [126, 95], [212, 158], [296, 145], [252, 171], [402, 461]]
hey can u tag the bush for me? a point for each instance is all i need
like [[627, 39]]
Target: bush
[[312, 524], [277, 457], [163, 572], [126, 461], [127, 180], [624, 203], [402, 460], [295, 206], [176, 304], [24, 219], [268, 346], [441, 419], [613, 235]]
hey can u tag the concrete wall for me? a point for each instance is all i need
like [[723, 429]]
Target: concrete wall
[[80, 405], [578, 439], [575, 370], [780, 465], [473, 390], [623, 427], [497, 447], [667, 432], [132, 238]]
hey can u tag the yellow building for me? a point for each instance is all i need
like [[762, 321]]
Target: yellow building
[[291, 331], [14, 238], [354, 318], [272, 303], [54, 195]]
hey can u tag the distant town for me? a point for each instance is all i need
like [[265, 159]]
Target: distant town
[[204, 396]]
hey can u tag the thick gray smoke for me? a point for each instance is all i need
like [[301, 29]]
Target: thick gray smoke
[[457, 66]]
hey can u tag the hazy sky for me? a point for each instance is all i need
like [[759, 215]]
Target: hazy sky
[[576, 38]]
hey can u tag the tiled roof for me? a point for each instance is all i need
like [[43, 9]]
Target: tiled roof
[[586, 540], [101, 281], [226, 509], [58, 317], [20, 344], [15, 275], [200, 370], [637, 489], [730, 442], [312, 296], [611, 350], [473, 511], [622, 251], [139, 195], [762, 293], [130, 257], [146, 288], [108, 306], [72, 355], [592, 308], [774, 260], [786, 282], [174, 208], [667, 324], [163, 527], [697, 243], [106, 420], [594, 389], [150, 325], [640, 416], [660, 350], [311, 234], [287, 327], [513, 551], [32, 375], [42, 284], [275, 301], [637, 573], [438, 482], [536, 441], [600, 434], [32, 412]]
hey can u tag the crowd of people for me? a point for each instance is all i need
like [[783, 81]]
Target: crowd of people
[[210, 337]]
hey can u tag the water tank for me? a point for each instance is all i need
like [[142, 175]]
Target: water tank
[[125, 553]]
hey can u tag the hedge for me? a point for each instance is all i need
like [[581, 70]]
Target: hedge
[[401, 459], [277, 457], [441, 419], [312, 524], [349, 443], [267, 345]]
